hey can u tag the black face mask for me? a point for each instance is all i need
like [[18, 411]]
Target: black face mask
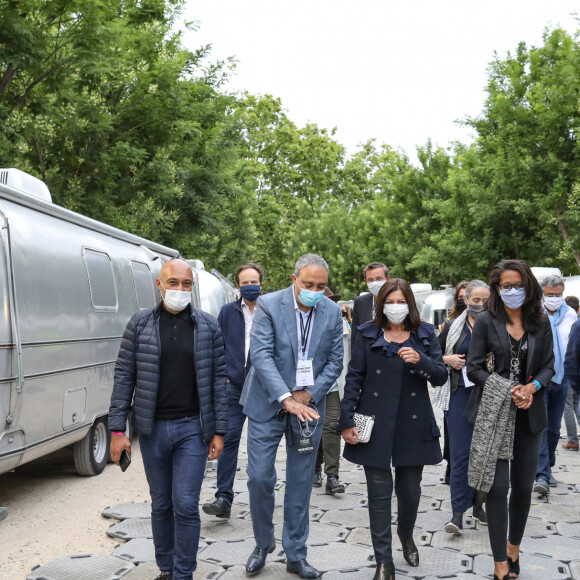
[[460, 306], [475, 309], [343, 314]]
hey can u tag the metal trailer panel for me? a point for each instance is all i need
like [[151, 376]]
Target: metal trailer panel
[[53, 270]]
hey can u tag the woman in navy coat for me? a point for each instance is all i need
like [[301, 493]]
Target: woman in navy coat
[[393, 358]]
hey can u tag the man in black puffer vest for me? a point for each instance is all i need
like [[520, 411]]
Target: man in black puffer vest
[[171, 373]]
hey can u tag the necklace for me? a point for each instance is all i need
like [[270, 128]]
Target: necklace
[[515, 360], [393, 336]]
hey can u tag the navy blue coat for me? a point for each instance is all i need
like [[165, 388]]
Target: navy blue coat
[[379, 383], [137, 374], [231, 319]]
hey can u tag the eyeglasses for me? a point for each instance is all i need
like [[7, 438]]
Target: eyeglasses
[[508, 286]]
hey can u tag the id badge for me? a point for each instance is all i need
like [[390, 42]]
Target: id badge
[[304, 373], [305, 444]]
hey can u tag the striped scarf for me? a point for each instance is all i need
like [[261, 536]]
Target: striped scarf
[[443, 393]]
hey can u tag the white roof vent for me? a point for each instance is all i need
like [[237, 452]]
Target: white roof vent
[[196, 264], [25, 183], [416, 287]]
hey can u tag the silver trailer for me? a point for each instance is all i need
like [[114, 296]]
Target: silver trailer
[[68, 286], [572, 286], [436, 306]]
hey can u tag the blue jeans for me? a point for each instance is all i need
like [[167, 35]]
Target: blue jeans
[[174, 457], [555, 398], [228, 460], [460, 434]]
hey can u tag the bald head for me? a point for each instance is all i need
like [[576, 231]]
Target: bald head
[[175, 275]]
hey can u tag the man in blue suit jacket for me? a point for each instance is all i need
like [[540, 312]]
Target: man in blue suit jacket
[[295, 328]]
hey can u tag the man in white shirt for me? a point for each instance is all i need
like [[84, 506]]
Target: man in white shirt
[[562, 317], [235, 320]]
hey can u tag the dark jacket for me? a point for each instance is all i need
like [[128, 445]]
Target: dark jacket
[[490, 336], [137, 374], [231, 319], [379, 383], [454, 374], [362, 311], [572, 360]]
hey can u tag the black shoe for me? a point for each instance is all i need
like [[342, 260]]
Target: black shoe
[[514, 566], [333, 485], [257, 559], [385, 571], [455, 526], [165, 576], [410, 552], [317, 478], [303, 569], [219, 508], [542, 487], [506, 577], [480, 515]]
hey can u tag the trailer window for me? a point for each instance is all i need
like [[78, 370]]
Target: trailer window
[[101, 280], [144, 291]]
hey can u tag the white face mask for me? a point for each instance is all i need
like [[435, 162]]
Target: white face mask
[[375, 286], [396, 313], [553, 303], [176, 300]]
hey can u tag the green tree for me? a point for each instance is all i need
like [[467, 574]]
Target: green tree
[[529, 157], [101, 100]]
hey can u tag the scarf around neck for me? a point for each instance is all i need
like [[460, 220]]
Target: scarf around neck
[[442, 394]]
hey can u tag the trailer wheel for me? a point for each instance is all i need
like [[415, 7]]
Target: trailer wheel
[[92, 452]]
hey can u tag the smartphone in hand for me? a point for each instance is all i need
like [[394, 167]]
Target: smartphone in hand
[[125, 460]]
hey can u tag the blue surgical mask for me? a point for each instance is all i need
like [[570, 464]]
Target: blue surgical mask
[[250, 292], [513, 298], [308, 297]]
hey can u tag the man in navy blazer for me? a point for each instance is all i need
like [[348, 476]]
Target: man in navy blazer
[[235, 320], [375, 275], [296, 349]]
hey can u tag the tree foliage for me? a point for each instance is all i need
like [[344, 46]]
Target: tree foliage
[[103, 102]]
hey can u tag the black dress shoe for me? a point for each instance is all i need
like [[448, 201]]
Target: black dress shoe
[[385, 572], [317, 478], [333, 485], [219, 508], [303, 569], [257, 559], [410, 552]]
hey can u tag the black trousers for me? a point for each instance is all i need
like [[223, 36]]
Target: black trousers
[[380, 491], [522, 474]]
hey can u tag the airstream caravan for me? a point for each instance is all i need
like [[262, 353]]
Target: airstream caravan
[[68, 286]]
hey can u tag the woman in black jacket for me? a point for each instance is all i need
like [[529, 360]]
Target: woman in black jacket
[[512, 339], [393, 358]]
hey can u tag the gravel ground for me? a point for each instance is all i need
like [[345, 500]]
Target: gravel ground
[[54, 512]]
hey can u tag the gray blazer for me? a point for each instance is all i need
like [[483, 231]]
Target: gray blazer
[[274, 352]]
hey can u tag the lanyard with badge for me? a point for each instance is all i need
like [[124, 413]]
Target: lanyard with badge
[[304, 369], [305, 378]]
